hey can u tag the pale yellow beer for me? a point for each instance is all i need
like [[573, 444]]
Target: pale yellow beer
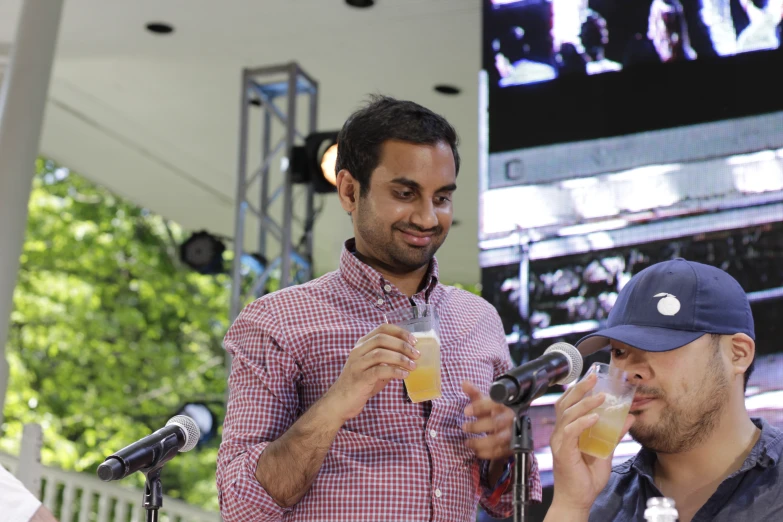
[[602, 438], [423, 383]]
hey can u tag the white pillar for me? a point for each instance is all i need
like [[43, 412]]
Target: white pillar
[[22, 102], [29, 469]]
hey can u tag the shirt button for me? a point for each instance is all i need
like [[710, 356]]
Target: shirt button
[[381, 302], [387, 288], [433, 433], [438, 493]]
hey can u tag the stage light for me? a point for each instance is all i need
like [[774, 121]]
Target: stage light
[[328, 162], [314, 161], [203, 252], [204, 418]]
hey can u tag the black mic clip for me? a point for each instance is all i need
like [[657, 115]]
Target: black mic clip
[[153, 488]]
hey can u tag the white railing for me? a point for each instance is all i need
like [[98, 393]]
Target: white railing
[[79, 497]]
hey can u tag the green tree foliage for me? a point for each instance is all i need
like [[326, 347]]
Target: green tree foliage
[[110, 334]]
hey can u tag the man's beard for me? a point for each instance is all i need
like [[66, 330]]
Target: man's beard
[[388, 248], [688, 423]]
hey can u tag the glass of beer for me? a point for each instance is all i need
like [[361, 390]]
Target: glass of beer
[[602, 438], [423, 383]]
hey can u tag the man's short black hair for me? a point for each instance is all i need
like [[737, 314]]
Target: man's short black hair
[[382, 119]]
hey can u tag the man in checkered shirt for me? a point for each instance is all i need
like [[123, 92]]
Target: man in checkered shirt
[[319, 426]]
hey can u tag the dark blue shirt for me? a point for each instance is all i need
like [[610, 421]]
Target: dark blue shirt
[[754, 493]]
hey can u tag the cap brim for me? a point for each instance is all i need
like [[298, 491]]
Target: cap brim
[[647, 338]]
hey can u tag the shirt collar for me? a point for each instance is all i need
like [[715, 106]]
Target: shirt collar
[[768, 449], [371, 282], [765, 453]]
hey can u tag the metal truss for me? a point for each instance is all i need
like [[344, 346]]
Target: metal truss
[[274, 91]]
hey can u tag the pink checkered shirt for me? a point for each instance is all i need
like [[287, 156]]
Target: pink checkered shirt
[[396, 461]]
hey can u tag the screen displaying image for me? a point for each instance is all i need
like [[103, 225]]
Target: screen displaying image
[[579, 71], [539, 40]]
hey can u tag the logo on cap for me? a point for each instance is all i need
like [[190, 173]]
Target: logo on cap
[[669, 305]]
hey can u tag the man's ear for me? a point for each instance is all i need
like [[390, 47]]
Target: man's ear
[[743, 350], [347, 190]]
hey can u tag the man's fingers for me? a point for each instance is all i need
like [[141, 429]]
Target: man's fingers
[[483, 425], [480, 404], [575, 393], [582, 408], [471, 391], [574, 429], [501, 421], [387, 373], [382, 356], [484, 406], [389, 342], [492, 446], [388, 330]]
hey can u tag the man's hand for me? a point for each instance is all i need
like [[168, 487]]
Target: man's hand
[[494, 421], [579, 478], [384, 354]]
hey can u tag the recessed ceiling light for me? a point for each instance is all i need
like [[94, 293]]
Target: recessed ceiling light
[[160, 28], [449, 90], [360, 3]]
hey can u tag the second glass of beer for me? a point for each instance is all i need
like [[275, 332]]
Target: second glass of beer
[[601, 439], [423, 383]]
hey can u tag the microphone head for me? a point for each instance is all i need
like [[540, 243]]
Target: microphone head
[[574, 358], [190, 428]]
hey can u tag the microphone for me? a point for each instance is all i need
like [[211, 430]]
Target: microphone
[[180, 435], [560, 364]]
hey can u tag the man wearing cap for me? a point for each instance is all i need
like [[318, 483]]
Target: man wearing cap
[[684, 333]]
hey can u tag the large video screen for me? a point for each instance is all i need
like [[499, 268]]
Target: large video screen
[[540, 40], [560, 71]]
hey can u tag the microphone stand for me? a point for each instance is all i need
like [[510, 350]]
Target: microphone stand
[[522, 445]]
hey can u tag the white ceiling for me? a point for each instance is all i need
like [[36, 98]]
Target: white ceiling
[[155, 118]]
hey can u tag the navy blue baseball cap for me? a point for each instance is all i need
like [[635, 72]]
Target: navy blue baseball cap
[[671, 304]]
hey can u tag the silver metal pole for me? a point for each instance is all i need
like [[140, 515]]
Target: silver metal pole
[[266, 131], [241, 203], [310, 219], [288, 195], [240, 212], [22, 103]]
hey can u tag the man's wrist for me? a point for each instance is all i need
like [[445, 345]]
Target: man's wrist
[[329, 412], [562, 511]]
